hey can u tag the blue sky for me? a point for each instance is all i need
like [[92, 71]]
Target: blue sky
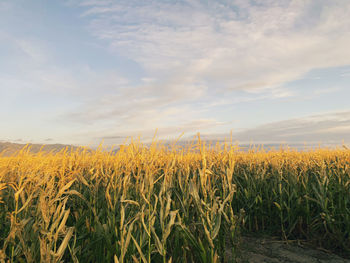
[[83, 71]]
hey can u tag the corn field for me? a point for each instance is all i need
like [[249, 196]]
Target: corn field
[[168, 204]]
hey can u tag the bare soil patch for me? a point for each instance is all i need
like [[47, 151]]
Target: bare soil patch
[[270, 250]]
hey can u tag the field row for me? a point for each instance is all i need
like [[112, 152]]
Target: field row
[[155, 204]]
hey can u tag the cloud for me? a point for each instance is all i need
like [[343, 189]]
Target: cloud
[[327, 90], [35, 69], [34, 50], [119, 135], [193, 57], [242, 46], [345, 73], [198, 55], [330, 128]]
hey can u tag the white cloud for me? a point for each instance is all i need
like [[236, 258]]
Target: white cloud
[[196, 51], [171, 131], [36, 69], [327, 90], [329, 128], [194, 56], [34, 50], [259, 46]]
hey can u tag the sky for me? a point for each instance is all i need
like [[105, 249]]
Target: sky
[[86, 71]]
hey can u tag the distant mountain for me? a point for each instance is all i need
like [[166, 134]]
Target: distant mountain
[[9, 148]]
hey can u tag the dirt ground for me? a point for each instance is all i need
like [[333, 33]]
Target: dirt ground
[[269, 250]]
